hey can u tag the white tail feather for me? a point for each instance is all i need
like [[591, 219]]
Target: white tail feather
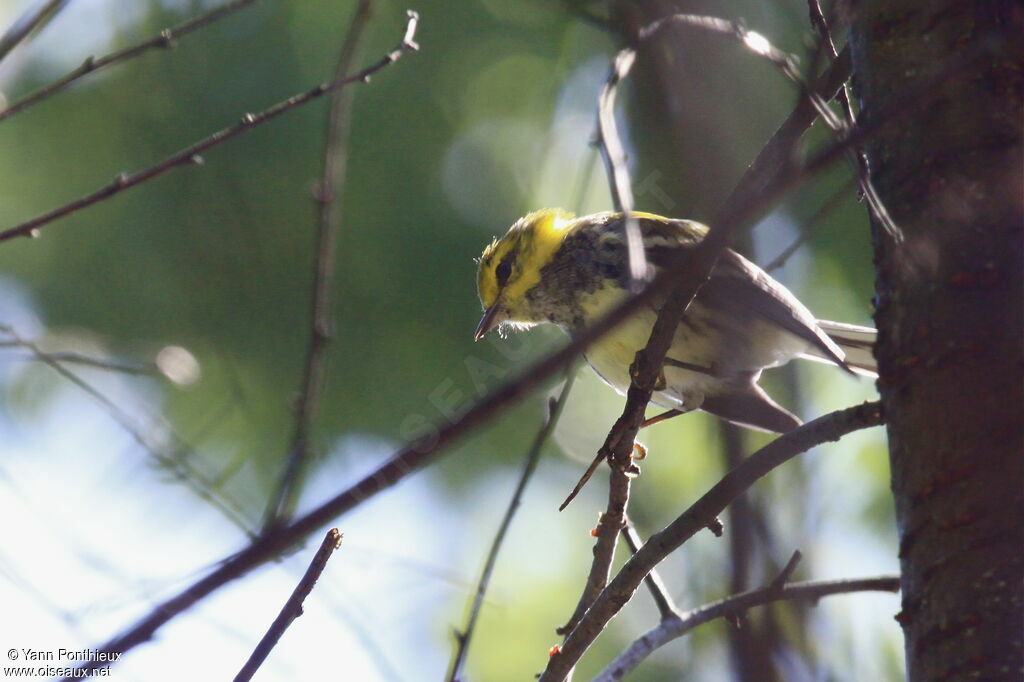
[[857, 342]]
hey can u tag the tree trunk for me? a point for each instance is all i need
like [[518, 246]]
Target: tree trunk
[[950, 313]]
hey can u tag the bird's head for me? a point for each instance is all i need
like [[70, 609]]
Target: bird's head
[[511, 266]]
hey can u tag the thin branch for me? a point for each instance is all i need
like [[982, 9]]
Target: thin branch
[[617, 169], [292, 608], [122, 367], [165, 39], [787, 571], [666, 607], [463, 638], [34, 19], [830, 427], [756, 44], [776, 157], [175, 374], [192, 155], [759, 45], [609, 524], [875, 204], [809, 227], [196, 481], [327, 194], [427, 449], [729, 608]]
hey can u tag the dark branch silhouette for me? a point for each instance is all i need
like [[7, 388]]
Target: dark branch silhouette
[[176, 462], [758, 45], [732, 607], [867, 189], [192, 155], [328, 195], [292, 608], [614, 157], [666, 607], [464, 637], [165, 39], [32, 21]]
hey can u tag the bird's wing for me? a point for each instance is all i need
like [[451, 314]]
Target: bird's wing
[[737, 281]]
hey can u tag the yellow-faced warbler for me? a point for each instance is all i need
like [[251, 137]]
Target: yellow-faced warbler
[[554, 267]]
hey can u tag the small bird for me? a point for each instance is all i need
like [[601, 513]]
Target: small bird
[[554, 267]]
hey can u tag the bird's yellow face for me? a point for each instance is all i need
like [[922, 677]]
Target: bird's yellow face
[[511, 266]]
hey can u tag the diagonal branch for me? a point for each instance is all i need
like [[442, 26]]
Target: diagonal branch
[[191, 155], [666, 607], [119, 366], [830, 427], [175, 462], [292, 608], [165, 39], [867, 188], [730, 607], [339, 117], [809, 226], [758, 45], [614, 157], [31, 21]]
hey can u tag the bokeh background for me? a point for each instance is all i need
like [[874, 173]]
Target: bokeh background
[[121, 492]]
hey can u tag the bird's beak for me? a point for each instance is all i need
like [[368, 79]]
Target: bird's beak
[[487, 322]]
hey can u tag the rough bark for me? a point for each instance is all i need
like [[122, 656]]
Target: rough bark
[[950, 313]]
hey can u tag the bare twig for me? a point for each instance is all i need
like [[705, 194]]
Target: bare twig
[[122, 367], [165, 39], [770, 184], [192, 153], [776, 157], [677, 626], [179, 466], [666, 607], [609, 524], [152, 368], [830, 427], [328, 193], [809, 227], [867, 188], [756, 44], [34, 19], [292, 608], [463, 638], [614, 158], [787, 571], [759, 45]]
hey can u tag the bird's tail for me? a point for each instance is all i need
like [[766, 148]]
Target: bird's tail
[[858, 344]]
